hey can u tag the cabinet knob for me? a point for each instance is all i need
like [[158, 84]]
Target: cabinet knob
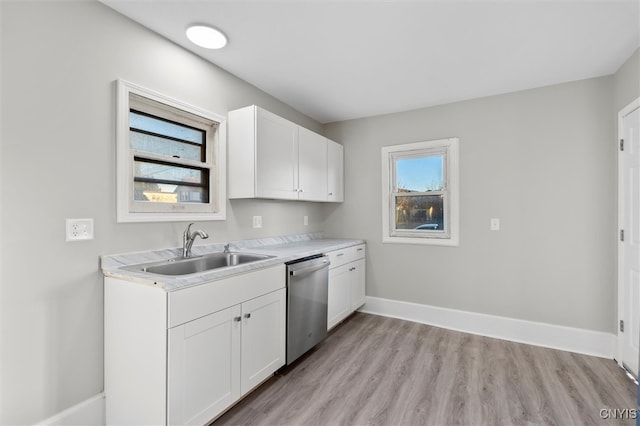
[[237, 319], [247, 315], [331, 193], [352, 269]]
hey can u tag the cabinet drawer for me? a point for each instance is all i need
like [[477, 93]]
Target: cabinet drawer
[[346, 255], [339, 257], [358, 252], [195, 302]]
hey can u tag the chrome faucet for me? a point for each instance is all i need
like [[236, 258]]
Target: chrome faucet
[[226, 248], [189, 237]]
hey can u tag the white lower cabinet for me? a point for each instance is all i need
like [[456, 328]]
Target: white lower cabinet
[[216, 359], [204, 367], [347, 281], [263, 338], [357, 283], [339, 297], [184, 357]]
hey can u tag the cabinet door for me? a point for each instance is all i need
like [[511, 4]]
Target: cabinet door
[[263, 338], [312, 166], [276, 156], [204, 367], [335, 172], [339, 298], [357, 281]]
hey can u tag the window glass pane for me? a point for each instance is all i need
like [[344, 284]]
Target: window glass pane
[[423, 212], [419, 174], [162, 127], [162, 146], [152, 171], [165, 193]]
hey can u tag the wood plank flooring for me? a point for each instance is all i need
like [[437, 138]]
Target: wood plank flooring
[[373, 370]]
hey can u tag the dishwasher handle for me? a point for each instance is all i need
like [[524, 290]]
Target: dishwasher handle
[[310, 269]]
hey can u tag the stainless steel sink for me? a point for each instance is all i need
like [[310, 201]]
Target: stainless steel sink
[[194, 265]]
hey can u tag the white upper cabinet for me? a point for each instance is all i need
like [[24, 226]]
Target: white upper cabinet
[[263, 155], [276, 165], [312, 166], [271, 157], [335, 172]]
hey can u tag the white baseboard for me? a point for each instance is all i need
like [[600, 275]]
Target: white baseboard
[[90, 412], [533, 333]]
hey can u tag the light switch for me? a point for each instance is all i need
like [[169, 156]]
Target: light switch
[[257, 221], [306, 220], [495, 224]]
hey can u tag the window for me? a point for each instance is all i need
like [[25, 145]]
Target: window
[[170, 161], [420, 193]]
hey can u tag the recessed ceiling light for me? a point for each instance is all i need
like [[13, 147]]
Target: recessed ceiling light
[[206, 37]]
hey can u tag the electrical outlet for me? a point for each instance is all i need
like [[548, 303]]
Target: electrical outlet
[[494, 224], [79, 229], [257, 221], [306, 221]]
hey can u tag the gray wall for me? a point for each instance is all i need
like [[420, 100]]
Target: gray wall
[[543, 161], [58, 153], [626, 83]]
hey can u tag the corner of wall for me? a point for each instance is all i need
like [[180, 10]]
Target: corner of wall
[[626, 81]]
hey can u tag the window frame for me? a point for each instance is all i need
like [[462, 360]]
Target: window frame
[[132, 96], [448, 148]]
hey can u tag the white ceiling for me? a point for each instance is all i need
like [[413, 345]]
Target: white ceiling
[[337, 60]]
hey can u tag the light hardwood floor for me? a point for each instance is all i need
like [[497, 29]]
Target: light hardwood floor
[[373, 370]]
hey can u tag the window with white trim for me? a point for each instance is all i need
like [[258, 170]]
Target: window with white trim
[[420, 193], [170, 159]]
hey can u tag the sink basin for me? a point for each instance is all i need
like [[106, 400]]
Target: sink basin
[[194, 265]]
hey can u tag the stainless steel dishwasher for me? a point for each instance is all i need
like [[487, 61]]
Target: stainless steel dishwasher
[[307, 289]]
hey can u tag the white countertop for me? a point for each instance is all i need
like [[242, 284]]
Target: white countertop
[[284, 249]]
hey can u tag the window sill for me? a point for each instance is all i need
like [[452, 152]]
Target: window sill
[[129, 217], [449, 242]]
